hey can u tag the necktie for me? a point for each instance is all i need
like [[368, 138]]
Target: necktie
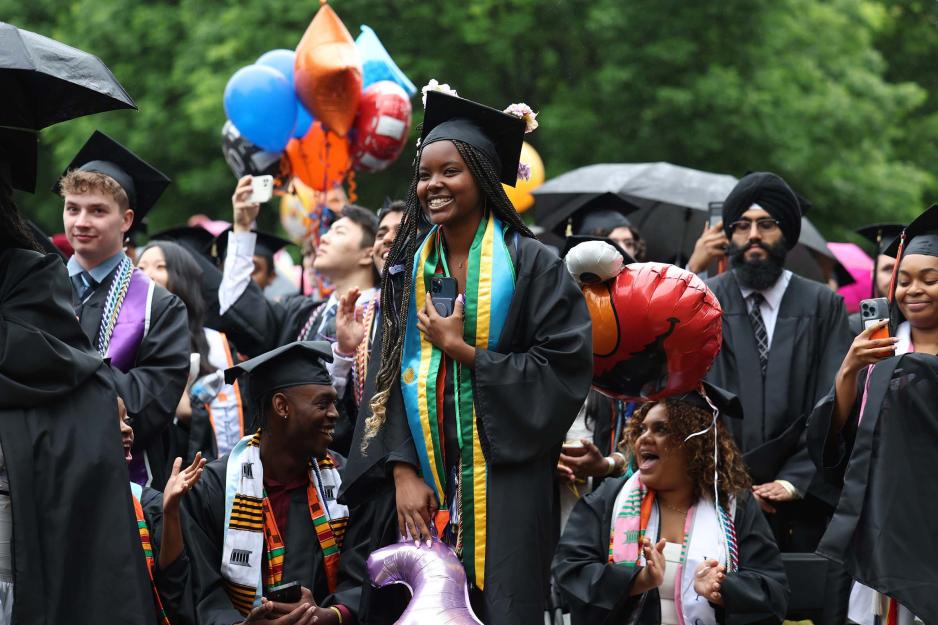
[[758, 329], [84, 285]]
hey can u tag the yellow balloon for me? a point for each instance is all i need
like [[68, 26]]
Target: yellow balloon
[[520, 194]]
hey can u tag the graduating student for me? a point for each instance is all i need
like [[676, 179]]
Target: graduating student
[[882, 236], [344, 257], [659, 547], [69, 549], [160, 530], [266, 514], [783, 340], [488, 392], [213, 423], [136, 324], [877, 434]]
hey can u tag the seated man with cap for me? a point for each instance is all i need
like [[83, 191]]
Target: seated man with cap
[[138, 325], [266, 514]]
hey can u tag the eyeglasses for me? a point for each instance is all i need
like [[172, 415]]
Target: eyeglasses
[[743, 226]]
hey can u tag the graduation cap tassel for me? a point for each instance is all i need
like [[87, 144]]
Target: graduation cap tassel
[[895, 269]]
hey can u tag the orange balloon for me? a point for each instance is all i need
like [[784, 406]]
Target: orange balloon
[[321, 158], [327, 71], [520, 194]]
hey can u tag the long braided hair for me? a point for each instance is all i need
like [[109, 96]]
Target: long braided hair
[[394, 303]]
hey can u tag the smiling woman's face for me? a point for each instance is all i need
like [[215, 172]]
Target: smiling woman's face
[[917, 290], [447, 190]]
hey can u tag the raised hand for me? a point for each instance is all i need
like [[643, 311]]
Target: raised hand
[[244, 212], [349, 327], [181, 481]]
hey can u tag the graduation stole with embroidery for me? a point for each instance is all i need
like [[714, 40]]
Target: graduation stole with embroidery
[[490, 286], [251, 529], [136, 491], [709, 533]]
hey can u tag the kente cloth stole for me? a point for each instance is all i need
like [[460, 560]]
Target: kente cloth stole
[[136, 491], [126, 317], [490, 287], [709, 534], [251, 529]]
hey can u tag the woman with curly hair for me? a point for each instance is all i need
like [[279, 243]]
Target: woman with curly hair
[[681, 541], [483, 388]]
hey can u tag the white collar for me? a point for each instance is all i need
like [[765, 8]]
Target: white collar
[[774, 294]]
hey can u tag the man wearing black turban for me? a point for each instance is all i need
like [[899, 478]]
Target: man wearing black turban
[[784, 338]]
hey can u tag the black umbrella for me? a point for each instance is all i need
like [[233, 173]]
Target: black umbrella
[[45, 82]]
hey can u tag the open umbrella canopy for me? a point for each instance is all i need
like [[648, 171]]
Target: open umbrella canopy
[[45, 82], [671, 201]]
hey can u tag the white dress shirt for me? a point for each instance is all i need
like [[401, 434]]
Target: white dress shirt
[[772, 299]]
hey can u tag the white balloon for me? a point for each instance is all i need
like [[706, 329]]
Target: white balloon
[[592, 262]]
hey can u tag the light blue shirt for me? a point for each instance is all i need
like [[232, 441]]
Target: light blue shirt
[[100, 272]]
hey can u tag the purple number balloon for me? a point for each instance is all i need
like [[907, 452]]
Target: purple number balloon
[[435, 577]]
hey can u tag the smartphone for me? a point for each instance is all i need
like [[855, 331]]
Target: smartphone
[[262, 188], [443, 291], [284, 593], [715, 213], [873, 311]]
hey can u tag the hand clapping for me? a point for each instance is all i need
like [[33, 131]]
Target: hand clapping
[[708, 581]]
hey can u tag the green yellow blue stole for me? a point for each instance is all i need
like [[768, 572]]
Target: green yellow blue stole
[[490, 286]]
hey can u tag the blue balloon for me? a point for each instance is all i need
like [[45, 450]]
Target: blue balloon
[[281, 60], [377, 64], [261, 104], [304, 119]]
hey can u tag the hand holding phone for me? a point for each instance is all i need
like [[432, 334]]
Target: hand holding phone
[[443, 290], [262, 189], [872, 311], [285, 593]]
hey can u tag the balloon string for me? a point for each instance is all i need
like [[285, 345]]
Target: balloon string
[[352, 186]]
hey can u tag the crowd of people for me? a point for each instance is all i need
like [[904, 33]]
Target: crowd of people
[[272, 442]]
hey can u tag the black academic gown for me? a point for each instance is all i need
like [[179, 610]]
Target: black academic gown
[[76, 550], [883, 529], [152, 388], [204, 528], [598, 591], [810, 340], [173, 582], [528, 391]]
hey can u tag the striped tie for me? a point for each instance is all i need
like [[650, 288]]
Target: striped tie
[[758, 329]]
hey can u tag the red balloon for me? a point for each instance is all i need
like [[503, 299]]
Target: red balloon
[[382, 126], [656, 331], [320, 159]]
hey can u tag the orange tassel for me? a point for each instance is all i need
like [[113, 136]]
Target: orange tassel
[[895, 270]]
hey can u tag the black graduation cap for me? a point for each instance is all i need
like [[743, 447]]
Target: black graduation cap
[[726, 402], [919, 237], [294, 364], [607, 211], [496, 134], [19, 149], [266, 245], [880, 235], [143, 183], [194, 238]]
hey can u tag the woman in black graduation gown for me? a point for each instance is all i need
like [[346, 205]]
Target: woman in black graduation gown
[[876, 432], [161, 534], [653, 548], [497, 383]]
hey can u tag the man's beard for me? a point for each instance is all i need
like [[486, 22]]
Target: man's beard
[[758, 274]]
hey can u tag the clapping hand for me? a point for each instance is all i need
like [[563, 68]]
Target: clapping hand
[[708, 581]]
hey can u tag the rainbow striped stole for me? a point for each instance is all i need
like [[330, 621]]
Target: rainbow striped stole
[[490, 287], [136, 491]]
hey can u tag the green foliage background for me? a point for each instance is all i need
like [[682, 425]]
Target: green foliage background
[[838, 96]]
